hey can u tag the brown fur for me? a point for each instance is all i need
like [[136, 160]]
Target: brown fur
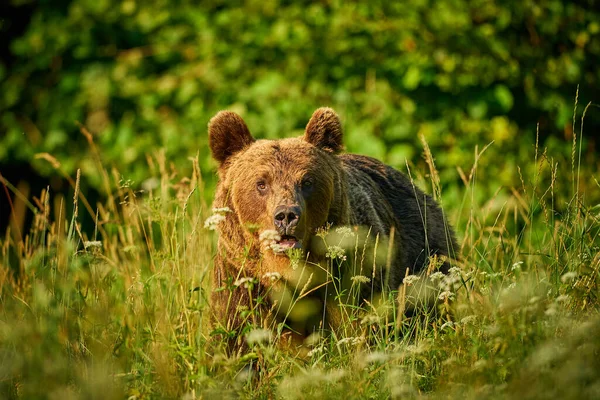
[[256, 177]]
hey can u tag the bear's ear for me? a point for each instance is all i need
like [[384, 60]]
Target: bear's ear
[[324, 130], [227, 134]]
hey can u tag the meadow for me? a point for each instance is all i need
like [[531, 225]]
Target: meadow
[[121, 311], [106, 184]]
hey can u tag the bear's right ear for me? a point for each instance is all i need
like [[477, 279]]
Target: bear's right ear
[[227, 134], [324, 130]]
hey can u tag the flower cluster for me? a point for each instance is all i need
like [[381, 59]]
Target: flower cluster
[[446, 295], [277, 248], [213, 221], [358, 279], [344, 231], [437, 276], [516, 266], [269, 236], [94, 244], [370, 320], [316, 351], [216, 218], [323, 231], [452, 281], [410, 279], [295, 256], [272, 276], [334, 252], [246, 282], [269, 239]]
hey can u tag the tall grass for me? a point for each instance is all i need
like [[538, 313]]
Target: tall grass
[[122, 311]]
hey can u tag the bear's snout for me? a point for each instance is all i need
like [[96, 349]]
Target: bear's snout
[[286, 218]]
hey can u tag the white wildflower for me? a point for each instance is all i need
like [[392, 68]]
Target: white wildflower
[[94, 244], [213, 221], [344, 231], [568, 277], [246, 282], [358, 279], [323, 231], [277, 248], [446, 295], [410, 279], [316, 351], [270, 235], [450, 282], [272, 276], [436, 276], [454, 271], [258, 336], [516, 266], [370, 320], [334, 252]]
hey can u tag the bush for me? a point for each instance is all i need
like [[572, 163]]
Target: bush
[[142, 75]]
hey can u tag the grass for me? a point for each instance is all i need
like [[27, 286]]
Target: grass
[[122, 311]]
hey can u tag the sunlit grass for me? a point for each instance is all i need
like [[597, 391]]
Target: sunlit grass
[[122, 310]]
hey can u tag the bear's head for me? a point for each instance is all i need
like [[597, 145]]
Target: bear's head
[[292, 186]]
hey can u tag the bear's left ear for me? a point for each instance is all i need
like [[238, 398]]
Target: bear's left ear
[[324, 130], [227, 134]]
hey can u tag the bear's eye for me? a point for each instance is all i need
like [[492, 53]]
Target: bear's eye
[[307, 183], [261, 186]]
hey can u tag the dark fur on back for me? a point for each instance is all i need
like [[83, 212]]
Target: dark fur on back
[[383, 197]]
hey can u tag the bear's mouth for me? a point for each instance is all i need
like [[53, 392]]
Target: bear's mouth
[[285, 243]]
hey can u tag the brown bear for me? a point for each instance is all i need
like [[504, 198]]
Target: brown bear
[[275, 196]]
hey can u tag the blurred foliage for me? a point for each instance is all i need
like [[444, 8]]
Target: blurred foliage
[[143, 75]]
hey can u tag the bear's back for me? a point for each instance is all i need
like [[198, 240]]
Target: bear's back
[[381, 197]]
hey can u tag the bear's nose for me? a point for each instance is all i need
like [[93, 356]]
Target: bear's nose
[[286, 219]]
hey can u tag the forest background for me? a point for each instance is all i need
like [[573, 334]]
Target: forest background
[[143, 76]]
